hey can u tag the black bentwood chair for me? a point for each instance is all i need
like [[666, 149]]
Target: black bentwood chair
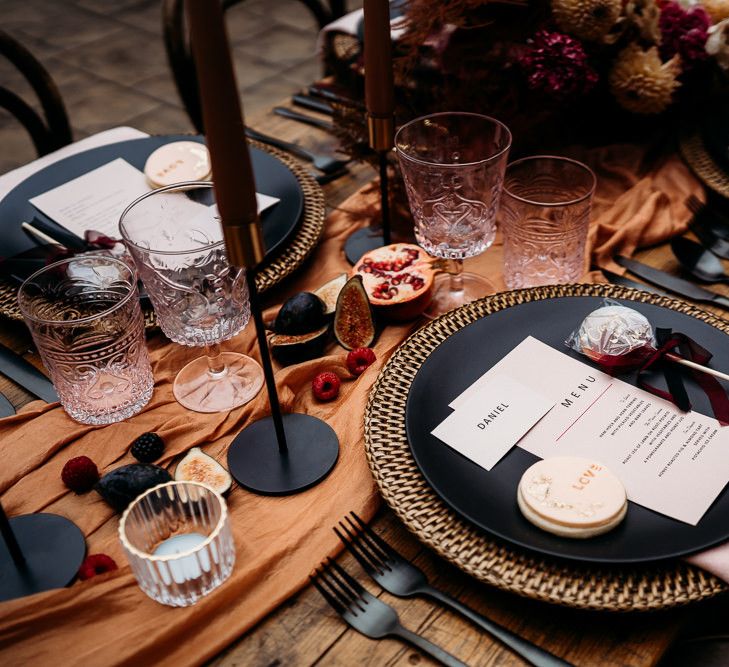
[[51, 129], [179, 54]]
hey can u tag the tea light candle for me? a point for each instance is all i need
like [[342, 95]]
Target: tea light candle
[[188, 567]]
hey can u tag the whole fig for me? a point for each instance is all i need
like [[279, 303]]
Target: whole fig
[[122, 485], [302, 313]]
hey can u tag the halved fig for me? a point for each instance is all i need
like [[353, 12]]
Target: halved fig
[[398, 279], [295, 349], [329, 292], [197, 466], [354, 325]]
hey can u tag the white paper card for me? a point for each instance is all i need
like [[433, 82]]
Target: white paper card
[[486, 427], [97, 199], [672, 462]]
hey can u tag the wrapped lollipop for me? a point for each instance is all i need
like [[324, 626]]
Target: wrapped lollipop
[[620, 339], [616, 337]]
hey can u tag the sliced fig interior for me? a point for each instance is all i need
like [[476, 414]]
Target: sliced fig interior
[[353, 323]]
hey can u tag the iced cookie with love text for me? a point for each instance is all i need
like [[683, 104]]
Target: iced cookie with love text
[[572, 497]]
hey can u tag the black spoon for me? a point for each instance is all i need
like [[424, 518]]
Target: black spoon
[[698, 261]]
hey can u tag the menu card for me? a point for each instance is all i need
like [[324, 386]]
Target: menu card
[[671, 462], [96, 200]]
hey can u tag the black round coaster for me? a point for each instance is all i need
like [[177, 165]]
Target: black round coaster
[[362, 241], [257, 464], [54, 549]]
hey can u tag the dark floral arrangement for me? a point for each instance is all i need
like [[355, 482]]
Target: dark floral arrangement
[[525, 61]]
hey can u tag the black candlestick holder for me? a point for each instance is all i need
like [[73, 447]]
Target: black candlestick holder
[[280, 454], [381, 129], [369, 238], [40, 552]]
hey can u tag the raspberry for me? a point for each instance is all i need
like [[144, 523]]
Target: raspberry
[[359, 360], [148, 447], [96, 564], [80, 474], [326, 386]]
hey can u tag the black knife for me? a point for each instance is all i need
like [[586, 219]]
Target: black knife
[[312, 104], [672, 283], [6, 407], [331, 96], [22, 372], [303, 118], [615, 279]]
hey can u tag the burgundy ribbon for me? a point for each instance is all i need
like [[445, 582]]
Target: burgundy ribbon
[[646, 357]]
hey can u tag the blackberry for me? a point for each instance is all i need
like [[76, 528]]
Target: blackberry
[[148, 447]]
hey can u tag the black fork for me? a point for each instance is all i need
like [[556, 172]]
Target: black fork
[[368, 615], [400, 577]]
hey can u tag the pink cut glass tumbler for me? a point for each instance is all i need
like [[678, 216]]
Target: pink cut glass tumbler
[[86, 322], [453, 166], [544, 217]]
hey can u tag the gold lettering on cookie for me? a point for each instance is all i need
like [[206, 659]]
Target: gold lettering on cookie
[[587, 476]]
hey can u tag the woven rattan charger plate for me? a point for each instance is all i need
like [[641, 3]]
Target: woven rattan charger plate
[[488, 559], [703, 164], [274, 270]]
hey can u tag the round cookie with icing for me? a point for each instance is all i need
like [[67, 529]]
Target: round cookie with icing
[[176, 162], [571, 496]]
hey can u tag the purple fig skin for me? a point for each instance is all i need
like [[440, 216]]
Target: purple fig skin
[[301, 314], [122, 485], [295, 349]]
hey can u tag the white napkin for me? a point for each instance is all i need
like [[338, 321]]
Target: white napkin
[[714, 560]]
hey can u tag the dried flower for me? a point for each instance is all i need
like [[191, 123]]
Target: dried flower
[[718, 43], [556, 66], [684, 32], [718, 10], [641, 82], [586, 19], [644, 14]]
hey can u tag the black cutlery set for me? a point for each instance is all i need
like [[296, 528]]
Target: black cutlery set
[[700, 261], [375, 619], [316, 99]]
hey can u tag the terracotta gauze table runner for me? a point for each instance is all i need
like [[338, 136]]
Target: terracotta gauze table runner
[[107, 620]]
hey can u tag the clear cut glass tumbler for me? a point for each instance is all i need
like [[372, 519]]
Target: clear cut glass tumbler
[[178, 541], [175, 238], [86, 322], [453, 167], [544, 217]]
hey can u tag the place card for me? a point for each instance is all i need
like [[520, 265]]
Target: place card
[[670, 461], [488, 425], [96, 200]]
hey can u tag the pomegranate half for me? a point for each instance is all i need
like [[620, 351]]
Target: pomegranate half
[[398, 279]]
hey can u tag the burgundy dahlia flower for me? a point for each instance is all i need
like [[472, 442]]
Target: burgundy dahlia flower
[[557, 67], [684, 32]]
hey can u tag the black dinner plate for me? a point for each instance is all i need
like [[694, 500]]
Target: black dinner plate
[[488, 498], [272, 178]]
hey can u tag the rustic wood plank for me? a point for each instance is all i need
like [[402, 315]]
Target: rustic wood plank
[[307, 632]]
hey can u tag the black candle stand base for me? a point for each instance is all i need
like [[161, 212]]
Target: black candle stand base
[[362, 241], [257, 464], [53, 548]]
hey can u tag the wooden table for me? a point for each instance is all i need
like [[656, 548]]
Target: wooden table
[[305, 631]]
